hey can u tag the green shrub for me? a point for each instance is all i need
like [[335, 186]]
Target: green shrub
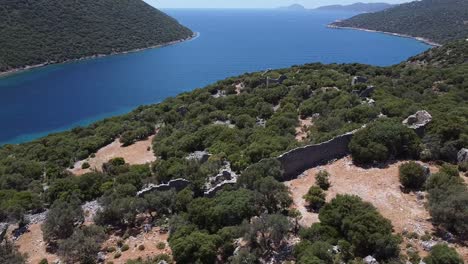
[[117, 255], [412, 175], [85, 165], [141, 247], [161, 245], [382, 140], [322, 179], [124, 248], [110, 249], [463, 166], [120, 243], [44, 261], [442, 254], [315, 197], [362, 226]]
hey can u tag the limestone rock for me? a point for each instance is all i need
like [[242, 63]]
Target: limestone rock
[[101, 257], [370, 260], [200, 156], [462, 155], [420, 119], [428, 245]]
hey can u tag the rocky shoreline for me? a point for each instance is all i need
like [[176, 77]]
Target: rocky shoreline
[[30, 67], [424, 40]]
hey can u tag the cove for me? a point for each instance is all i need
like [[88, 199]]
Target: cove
[[230, 42]]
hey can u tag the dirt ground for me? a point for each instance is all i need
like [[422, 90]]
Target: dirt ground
[[137, 153], [150, 241], [32, 244], [378, 186], [301, 130]]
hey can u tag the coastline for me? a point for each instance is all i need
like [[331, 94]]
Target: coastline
[[31, 67], [420, 39]]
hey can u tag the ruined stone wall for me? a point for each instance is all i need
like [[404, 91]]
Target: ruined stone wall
[[177, 184], [301, 159]]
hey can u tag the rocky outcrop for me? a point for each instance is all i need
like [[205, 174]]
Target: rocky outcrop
[[418, 121], [370, 260], [200, 156], [462, 155], [36, 218], [177, 184], [428, 245], [90, 210]]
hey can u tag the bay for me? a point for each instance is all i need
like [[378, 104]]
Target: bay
[[230, 42]]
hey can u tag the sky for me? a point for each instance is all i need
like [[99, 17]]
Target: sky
[[255, 3]]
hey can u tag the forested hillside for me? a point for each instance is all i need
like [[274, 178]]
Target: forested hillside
[[440, 21], [40, 31], [242, 120]]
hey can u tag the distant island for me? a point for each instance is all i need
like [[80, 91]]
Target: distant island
[[35, 33], [420, 19], [358, 7], [296, 7]]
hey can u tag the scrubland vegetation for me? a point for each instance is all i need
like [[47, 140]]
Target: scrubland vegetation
[[256, 211]]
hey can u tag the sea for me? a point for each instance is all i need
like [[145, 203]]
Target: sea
[[229, 42]]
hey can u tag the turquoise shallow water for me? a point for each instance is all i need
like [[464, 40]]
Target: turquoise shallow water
[[231, 42]]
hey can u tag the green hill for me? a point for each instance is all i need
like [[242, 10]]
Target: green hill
[[440, 21], [39, 31]]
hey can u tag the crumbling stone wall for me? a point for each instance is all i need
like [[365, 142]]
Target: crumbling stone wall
[[177, 184], [301, 159]]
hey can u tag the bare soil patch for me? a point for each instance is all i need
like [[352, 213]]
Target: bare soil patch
[[303, 128], [139, 153], [32, 244], [149, 240], [379, 186]]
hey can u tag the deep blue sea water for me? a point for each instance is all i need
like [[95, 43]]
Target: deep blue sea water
[[231, 42]]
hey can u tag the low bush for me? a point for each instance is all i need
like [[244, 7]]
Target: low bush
[[124, 248], [442, 254], [383, 140], [412, 175], [322, 179], [315, 197]]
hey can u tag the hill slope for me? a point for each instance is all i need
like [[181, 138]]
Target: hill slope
[[437, 20], [358, 7], [244, 121], [39, 31]]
